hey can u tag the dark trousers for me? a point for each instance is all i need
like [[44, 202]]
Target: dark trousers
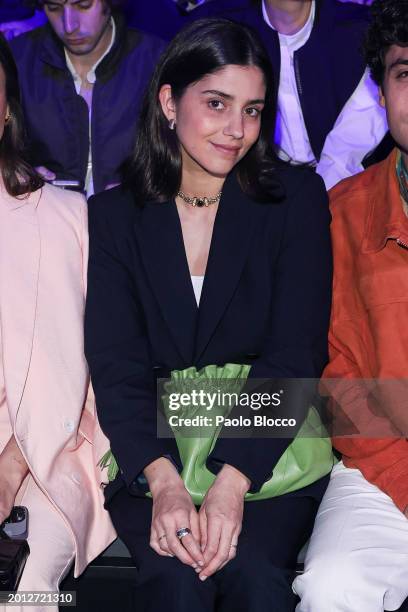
[[257, 580]]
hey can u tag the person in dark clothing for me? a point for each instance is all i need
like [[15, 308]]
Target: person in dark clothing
[[322, 86], [163, 18], [14, 10], [198, 264], [83, 76]]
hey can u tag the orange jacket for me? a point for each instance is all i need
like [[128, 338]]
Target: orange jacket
[[369, 325]]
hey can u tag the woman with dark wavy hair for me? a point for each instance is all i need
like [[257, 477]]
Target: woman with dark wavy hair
[[18, 177], [210, 264], [47, 437]]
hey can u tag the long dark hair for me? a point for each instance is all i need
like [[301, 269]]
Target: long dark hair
[[18, 177], [205, 46]]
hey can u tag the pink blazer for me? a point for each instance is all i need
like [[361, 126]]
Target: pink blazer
[[43, 260]]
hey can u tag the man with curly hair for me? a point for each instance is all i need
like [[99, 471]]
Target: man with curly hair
[[357, 560], [82, 77]]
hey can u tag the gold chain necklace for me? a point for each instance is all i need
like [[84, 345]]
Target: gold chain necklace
[[200, 202]]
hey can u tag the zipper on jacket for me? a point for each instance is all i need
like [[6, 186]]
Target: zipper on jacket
[[402, 243], [297, 75]]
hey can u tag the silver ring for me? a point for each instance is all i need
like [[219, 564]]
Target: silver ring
[[181, 533], [161, 537], [234, 546]]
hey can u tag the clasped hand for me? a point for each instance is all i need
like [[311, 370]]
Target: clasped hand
[[215, 528]]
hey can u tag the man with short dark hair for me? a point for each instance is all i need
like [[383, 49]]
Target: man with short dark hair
[[357, 560], [82, 77]]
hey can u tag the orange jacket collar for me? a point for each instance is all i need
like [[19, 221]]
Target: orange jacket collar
[[386, 219]]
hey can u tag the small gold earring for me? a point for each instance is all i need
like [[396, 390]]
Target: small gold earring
[[7, 119]]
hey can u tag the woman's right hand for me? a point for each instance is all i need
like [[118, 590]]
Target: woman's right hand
[[173, 509], [7, 497]]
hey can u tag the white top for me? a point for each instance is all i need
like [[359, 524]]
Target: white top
[[291, 138], [86, 94], [358, 130], [198, 287]]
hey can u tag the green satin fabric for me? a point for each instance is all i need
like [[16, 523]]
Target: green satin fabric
[[308, 458]]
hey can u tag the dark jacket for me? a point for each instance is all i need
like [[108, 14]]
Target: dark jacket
[[58, 119], [162, 18], [14, 10], [328, 67], [265, 301]]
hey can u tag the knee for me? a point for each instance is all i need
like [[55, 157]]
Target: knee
[[316, 591], [336, 583], [168, 573], [37, 577], [249, 571], [45, 567]]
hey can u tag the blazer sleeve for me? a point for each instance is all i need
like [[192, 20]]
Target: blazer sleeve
[[117, 351], [296, 345]]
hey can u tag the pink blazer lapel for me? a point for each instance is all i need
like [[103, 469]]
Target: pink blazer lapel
[[20, 248]]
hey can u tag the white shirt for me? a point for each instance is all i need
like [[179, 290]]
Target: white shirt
[[358, 130], [197, 282], [87, 96], [291, 138]]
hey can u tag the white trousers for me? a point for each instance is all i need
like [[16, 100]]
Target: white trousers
[[52, 548], [357, 560]]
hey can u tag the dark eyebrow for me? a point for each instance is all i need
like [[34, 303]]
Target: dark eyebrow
[[226, 96], [400, 61]]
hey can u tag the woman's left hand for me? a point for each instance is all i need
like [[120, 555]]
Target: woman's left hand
[[221, 519]]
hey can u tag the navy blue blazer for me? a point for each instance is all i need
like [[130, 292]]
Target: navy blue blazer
[[265, 301]]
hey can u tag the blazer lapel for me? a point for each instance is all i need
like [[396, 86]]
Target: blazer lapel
[[231, 238], [19, 275], [160, 239]]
